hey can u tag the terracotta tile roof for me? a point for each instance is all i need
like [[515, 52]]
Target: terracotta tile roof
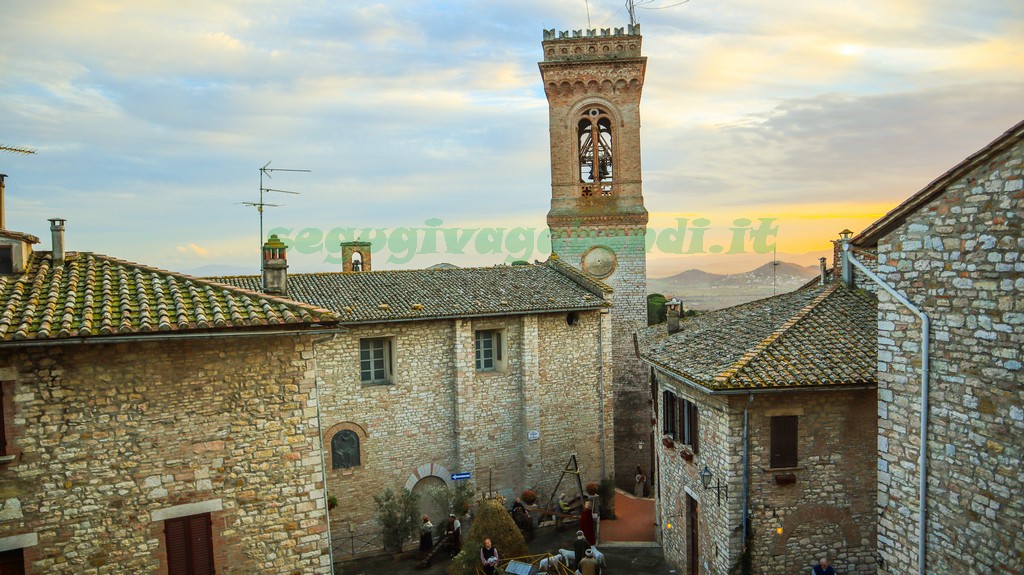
[[19, 236], [93, 295], [390, 295], [815, 336]]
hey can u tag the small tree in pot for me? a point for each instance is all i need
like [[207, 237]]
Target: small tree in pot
[[399, 516]]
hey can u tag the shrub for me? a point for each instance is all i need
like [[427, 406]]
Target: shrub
[[592, 488], [528, 497], [399, 516], [606, 492], [492, 520]]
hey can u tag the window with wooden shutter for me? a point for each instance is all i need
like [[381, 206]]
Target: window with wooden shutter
[[3, 423], [668, 413], [784, 441], [189, 545], [12, 562], [691, 426]]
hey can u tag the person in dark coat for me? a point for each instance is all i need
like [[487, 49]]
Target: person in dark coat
[[579, 548], [454, 531], [823, 568]]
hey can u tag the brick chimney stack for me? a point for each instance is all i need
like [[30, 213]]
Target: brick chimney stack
[[57, 240], [824, 270], [275, 267], [673, 307]]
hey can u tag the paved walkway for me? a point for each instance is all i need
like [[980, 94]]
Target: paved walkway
[[634, 520]]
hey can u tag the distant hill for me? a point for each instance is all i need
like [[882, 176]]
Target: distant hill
[[699, 289]]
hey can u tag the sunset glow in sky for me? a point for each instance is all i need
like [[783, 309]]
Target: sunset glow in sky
[[151, 118]]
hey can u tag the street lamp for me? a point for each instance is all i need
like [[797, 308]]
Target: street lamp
[[640, 445], [705, 480], [845, 235]]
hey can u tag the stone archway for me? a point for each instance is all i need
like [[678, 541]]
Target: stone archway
[[429, 502], [427, 478], [817, 531]]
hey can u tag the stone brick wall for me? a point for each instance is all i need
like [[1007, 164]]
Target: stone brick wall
[[441, 416], [827, 511], [720, 448], [107, 435], [959, 259]]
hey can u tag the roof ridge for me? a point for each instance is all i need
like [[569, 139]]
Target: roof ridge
[[584, 280], [205, 281], [371, 272], [771, 338]]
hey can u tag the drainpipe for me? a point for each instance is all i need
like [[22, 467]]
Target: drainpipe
[[600, 387], [746, 466], [323, 459], [923, 456]]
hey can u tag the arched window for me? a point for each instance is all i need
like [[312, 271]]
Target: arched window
[[345, 450], [594, 135]]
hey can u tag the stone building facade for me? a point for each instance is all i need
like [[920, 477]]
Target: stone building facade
[[774, 401], [438, 411], [137, 402], [954, 250], [593, 80]]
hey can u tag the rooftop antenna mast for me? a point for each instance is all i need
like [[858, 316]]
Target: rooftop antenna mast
[[632, 12], [775, 265], [265, 171]]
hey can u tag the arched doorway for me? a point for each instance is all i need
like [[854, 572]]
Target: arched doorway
[[432, 492], [813, 540]]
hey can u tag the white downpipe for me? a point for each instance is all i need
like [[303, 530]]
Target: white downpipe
[[923, 456]]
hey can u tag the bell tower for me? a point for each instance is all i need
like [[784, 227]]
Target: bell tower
[[593, 80]]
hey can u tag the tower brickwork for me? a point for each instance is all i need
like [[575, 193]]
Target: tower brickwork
[[593, 80]]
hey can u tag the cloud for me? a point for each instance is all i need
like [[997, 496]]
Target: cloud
[[193, 249]]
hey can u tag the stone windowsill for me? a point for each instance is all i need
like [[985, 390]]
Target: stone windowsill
[[7, 459], [782, 469], [384, 384]]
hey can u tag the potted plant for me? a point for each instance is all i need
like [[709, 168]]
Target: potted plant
[[591, 488], [686, 453], [668, 442], [528, 496], [398, 515], [332, 502]]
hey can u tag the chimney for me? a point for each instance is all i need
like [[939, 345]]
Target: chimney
[[57, 240], [3, 223], [275, 267], [355, 256], [842, 268], [672, 309], [824, 270]]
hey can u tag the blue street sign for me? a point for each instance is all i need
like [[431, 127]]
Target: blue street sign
[[460, 476]]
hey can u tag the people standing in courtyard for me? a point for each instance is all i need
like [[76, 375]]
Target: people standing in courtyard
[[488, 557], [426, 535], [823, 568], [563, 507], [454, 532], [579, 548], [589, 565], [587, 523], [641, 481]]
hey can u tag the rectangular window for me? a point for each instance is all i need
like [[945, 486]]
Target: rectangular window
[[12, 562], [688, 427], [3, 422], [189, 545], [784, 441], [376, 360], [490, 350], [668, 413]]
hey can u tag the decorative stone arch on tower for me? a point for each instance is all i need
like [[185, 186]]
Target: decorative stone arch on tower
[[344, 447], [820, 524], [426, 478]]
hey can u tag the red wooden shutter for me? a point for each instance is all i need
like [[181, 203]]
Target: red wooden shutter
[[201, 538], [176, 533], [12, 562], [189, 545], [784, 441]]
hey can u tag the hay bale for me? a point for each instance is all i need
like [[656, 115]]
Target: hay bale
[[492, 520]]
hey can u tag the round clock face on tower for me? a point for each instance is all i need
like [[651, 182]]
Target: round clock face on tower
[[599, 262]]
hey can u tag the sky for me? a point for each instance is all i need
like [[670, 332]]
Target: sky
[[150, 120]]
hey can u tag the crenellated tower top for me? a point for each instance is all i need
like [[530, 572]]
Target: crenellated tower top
[[593, 44]]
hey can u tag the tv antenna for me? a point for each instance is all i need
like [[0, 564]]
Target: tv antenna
[[775, 264], [265, 171], [17, 150]]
